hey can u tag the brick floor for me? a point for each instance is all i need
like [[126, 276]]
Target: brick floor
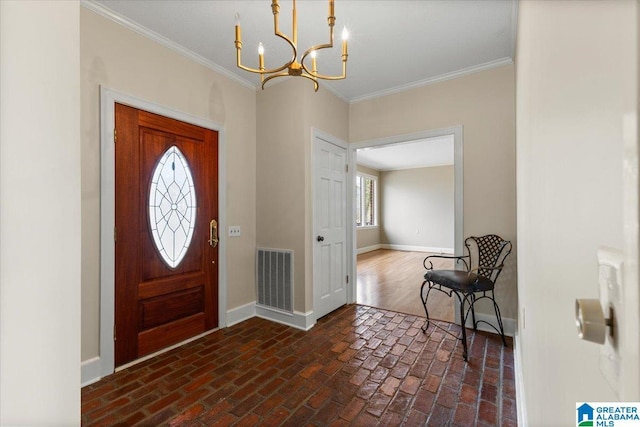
[[357, 366]]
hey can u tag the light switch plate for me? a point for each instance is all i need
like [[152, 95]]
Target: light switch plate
[[234, 231], [610, 262]]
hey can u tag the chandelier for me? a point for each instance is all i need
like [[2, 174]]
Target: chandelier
[[293, 67]]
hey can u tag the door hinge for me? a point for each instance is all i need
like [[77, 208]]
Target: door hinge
[[115, 135], [346, 168], [347, 279], [115, 234], [114, 331]]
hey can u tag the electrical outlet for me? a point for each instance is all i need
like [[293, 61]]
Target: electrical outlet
[[234, 231]]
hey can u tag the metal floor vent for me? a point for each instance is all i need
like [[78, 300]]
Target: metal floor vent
[[274, 274]]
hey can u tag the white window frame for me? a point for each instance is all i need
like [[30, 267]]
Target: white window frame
[[376, 222]]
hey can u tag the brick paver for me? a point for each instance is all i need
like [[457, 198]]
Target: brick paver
[[357, 366]]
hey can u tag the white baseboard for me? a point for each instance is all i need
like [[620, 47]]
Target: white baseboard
[[303, 321], [240, 314], [521, 403], [368, 249], [90, 371], [408, 248], [418, 248], [508, 324]]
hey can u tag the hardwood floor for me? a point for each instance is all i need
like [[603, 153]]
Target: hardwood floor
[[391, 280]]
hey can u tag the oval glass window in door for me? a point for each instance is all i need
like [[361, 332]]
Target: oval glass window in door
[[172, 206]]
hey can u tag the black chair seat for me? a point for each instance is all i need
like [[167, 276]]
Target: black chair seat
[[459, 280]]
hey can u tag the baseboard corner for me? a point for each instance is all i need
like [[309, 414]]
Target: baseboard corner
[[298, 320], [366, 249], [90, 371], [241, 313]]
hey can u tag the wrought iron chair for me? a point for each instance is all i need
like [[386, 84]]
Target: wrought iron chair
[[483, 264]]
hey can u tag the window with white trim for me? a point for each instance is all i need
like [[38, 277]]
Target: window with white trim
[[367, 200]]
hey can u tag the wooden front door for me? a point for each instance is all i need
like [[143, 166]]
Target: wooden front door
[[166, 278]]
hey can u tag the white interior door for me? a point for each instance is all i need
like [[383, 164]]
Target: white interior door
[[330, 227]]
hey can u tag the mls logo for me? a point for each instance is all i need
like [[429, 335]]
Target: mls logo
[[608, 414], [585, 415]]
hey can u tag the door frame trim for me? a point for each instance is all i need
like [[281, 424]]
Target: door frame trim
[[318, 134], [108, 99], [458, 167]]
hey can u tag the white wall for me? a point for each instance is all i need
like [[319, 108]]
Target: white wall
[[483, 103], [418, 207], [285, 114], [576, 78], [40, 213], [280, 176]]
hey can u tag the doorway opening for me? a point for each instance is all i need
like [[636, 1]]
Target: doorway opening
[[408, 203]]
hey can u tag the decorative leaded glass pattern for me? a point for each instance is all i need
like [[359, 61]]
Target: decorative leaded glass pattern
[[172, 206]]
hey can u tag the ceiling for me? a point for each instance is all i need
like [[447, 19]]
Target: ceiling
[[429, 152], [393, 45]]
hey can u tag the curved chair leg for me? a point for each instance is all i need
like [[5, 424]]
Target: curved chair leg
[[473, 311], [497, 310], [424, 304], [463, 321]]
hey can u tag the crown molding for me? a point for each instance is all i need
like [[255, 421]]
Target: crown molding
[[127, 23], [131, 25], [432, 80]]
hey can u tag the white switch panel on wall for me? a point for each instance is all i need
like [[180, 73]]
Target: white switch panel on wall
[[610, 263], [234, 231]]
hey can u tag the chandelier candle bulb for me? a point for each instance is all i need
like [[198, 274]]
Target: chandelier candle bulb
[[238, 32], [345, 37], [294, 24], [261, 59]]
